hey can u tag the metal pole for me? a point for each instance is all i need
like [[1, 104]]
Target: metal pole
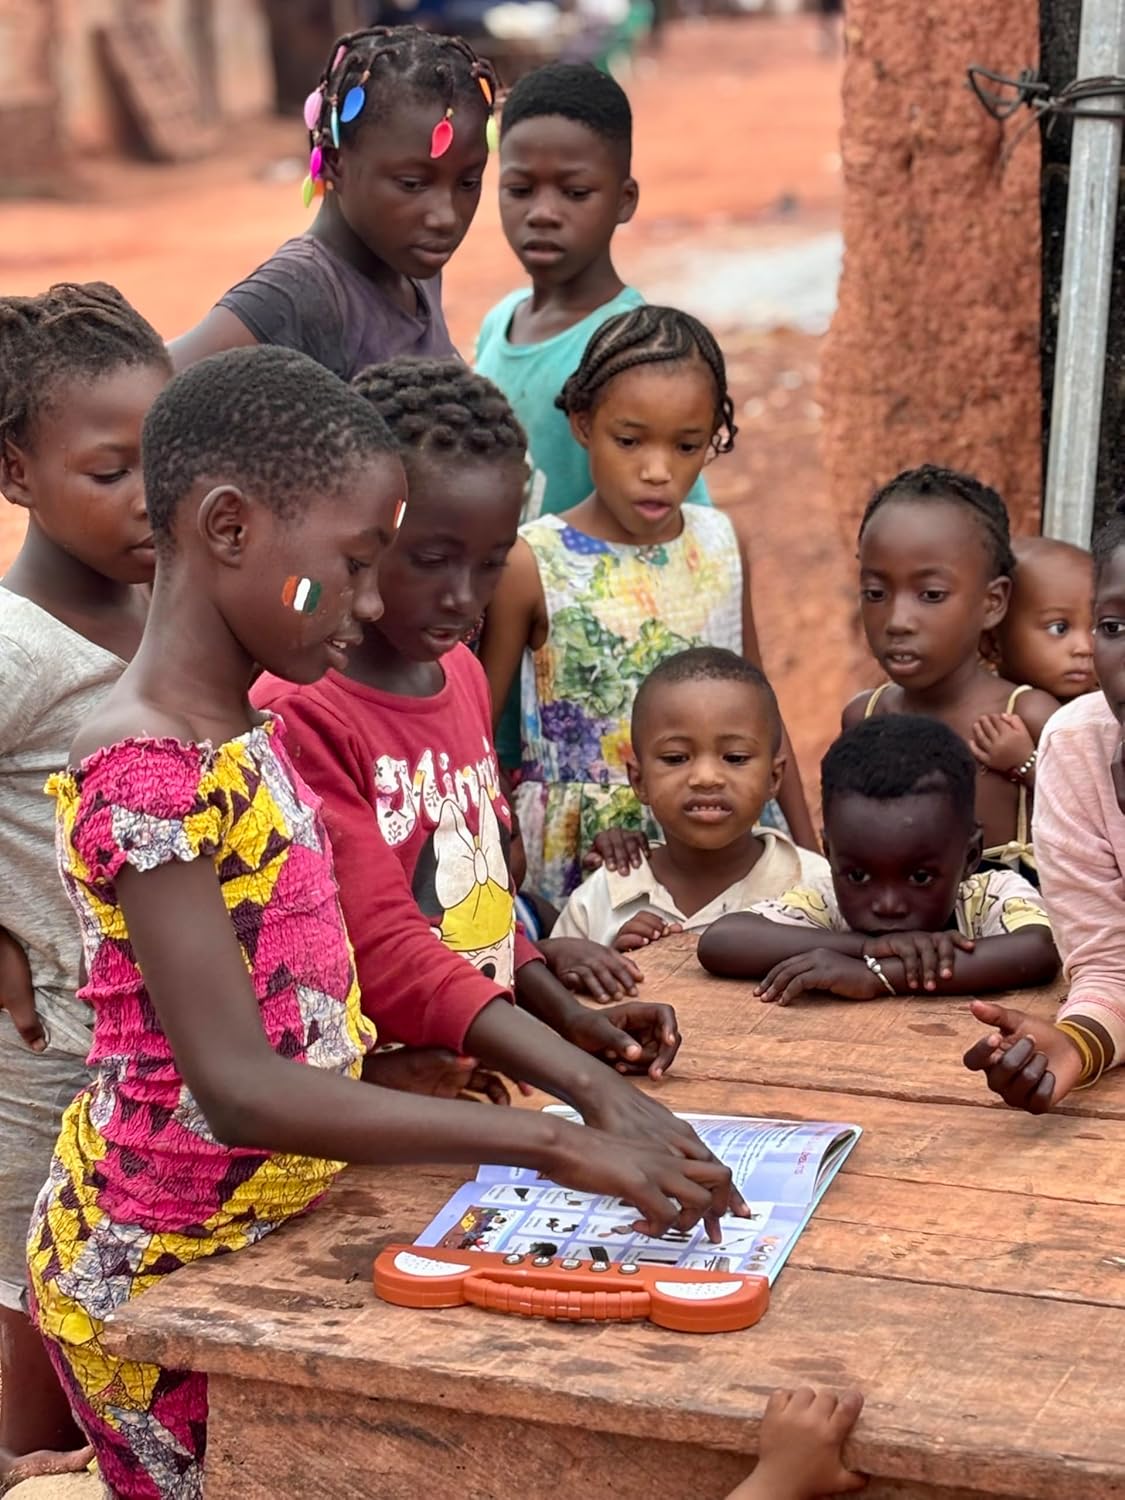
[[1091, 212]]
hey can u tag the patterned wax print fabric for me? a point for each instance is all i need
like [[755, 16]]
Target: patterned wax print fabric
[[990, 903], [139, 1186], [614, 612]]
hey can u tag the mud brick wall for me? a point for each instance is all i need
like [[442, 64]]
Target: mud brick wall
[[934, 351]]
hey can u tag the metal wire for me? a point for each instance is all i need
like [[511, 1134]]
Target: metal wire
[[1028, 89]]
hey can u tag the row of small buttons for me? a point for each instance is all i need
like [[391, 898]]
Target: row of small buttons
[[628, 1268]]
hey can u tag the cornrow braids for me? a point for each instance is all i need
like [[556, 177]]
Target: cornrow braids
[[73, 329], [268, 419], [929, 482], [439, 407], [1109, 538], [387, 60], [647, 336]]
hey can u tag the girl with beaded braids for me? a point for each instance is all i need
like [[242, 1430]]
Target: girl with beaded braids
[[936, 566], [397, 137], [398, 747], [594, 598], [79, 368]]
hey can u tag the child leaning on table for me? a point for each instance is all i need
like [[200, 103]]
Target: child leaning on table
[[228, 1038], [1031, 1062], [706, 758], [905, 907]]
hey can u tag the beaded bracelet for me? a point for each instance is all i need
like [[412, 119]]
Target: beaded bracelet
[[880, 973], [1021, 771]]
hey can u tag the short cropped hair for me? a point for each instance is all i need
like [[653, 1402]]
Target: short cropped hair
[[269, 420], [707, 664], [576, 91], [900, 755]]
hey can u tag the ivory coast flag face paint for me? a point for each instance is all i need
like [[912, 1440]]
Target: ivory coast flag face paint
[[400, 511], [301, 594]]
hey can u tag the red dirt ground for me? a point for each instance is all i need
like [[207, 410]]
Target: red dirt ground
[[733, 119]]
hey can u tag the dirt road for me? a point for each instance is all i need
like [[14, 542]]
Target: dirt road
[[736, 131]]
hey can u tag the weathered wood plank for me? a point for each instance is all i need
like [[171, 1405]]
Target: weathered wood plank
[[967, 1389], [399, 1450], [873, 1225], [901, 1048]]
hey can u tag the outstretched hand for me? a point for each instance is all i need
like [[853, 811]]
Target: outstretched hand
[[1028, 1061]]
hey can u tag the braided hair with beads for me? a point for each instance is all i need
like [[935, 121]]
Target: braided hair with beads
[[71, 330], [385, 60], [438, 408], [648, 336], [929, 482]]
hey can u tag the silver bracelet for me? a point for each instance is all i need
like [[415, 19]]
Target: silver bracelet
[[1021, 771], [880, 973]]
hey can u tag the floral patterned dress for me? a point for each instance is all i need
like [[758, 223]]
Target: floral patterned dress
[[615, 611], [139, 1185]]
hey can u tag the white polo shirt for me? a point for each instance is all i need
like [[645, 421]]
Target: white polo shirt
[[601, 906]]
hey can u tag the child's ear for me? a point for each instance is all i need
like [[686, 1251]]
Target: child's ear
[[580, 427], [636, 777], [223, 523], [996, 599], [777, 771], [13, 475], [974, 852], [627, 203]]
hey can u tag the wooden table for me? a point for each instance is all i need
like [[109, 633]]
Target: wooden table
[[966, 1270]]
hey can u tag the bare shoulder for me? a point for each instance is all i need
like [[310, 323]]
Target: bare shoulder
[[855, 711], [123, 717], [1035, 708]]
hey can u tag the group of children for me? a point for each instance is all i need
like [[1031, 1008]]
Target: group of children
[[343, 663]]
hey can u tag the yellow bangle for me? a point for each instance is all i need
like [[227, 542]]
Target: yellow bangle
[[1086, 1041]]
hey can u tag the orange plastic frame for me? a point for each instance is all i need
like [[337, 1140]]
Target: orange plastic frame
[[569, 1290]]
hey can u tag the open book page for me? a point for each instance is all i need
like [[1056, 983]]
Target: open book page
[[781, 1167]]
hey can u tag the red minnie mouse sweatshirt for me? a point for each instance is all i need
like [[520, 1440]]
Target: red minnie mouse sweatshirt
[[420, 834]]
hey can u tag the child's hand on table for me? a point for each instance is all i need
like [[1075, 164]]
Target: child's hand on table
[[645, 928], [1001, 742], [591, 968], [800, 1450], [436, 1071], [633, 1037], [619, 849], [822, 970], [926, 956], [1025, 1059]]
